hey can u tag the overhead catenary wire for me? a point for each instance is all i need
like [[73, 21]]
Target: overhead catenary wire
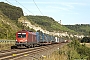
[[9, 2], [38, 7], [24, 7]]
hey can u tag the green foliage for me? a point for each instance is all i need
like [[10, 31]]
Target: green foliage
[[85, 40], [82, 50], [12, 12], [75, 44], [8, 28], [80, 28], [72, 55]]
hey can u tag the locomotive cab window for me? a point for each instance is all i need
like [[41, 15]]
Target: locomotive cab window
[[21, 35]]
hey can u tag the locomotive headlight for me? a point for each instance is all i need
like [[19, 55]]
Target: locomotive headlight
[[25, 40], [16, 40]]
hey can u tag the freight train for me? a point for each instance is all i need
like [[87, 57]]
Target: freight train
[[28, 39]]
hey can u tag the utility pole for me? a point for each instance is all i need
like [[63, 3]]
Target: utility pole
[[24, 24], [7, 34]]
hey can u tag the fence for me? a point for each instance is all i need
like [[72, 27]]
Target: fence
[[7, 41]]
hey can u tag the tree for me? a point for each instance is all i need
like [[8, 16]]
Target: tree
[[12, 12], [85, 39]]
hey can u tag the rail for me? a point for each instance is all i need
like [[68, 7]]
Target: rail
[[31, 53], [7, 41]]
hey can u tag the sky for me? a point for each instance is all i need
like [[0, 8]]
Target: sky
[[70, 12]]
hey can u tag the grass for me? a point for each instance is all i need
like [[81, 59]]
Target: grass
[[86, 44], [5, 46], [61, 54], [64, 53]]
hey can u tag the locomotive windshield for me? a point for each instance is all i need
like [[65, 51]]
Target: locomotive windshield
[[21, 35]]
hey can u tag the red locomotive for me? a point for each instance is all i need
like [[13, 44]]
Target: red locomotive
[[25, 38]]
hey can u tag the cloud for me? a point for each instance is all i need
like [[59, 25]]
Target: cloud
[[63, 3], [58, 8]]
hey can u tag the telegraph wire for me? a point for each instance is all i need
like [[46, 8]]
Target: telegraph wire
[[38, 7], [23, 6], [25, 13], [9, 2]]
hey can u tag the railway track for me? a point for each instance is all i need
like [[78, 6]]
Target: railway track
[[19, 53]]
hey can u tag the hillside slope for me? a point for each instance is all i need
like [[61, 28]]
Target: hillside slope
[[48, 23], [7, 27]]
